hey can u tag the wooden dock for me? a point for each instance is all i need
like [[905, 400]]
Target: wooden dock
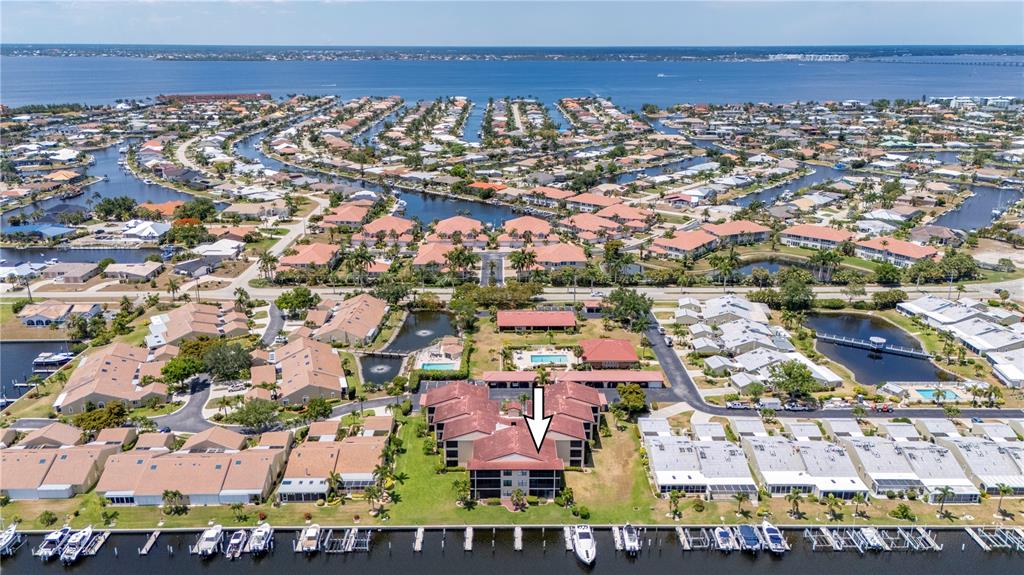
[[149, 543], [567, 532], [94, 545], [617, 537], [684, 539], [417, 544], [517, 539], [467, 542]]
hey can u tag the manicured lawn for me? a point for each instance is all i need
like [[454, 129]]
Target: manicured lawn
[[164, 409], [354, 380], [488, 342]]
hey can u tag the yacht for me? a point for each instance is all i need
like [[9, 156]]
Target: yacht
[[309, 540], [209, 541], [775, 541], [9, 539], [749, 539], [261, 539], [725, 540], [123, 149], [52, 261], [583, 544], [631, 539], [76, 545], [53, 544], [236, 544]]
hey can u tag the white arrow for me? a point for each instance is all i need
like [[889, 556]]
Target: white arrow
[[538, 424]]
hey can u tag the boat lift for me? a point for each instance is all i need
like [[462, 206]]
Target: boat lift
[[350, 540]]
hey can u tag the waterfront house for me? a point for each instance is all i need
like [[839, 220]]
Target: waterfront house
[[58, 473], [559, 255], [145, 231], [134, 272], [53, 312], [815, 467], [524, 230], [257, 210], [590, 227], [531, 320], [116, 372], [814, 237], [71, 272], [311, 464], [890, 467], [353, 321], [347, 215], [507, 461], [590, 202], [708, 469], [606, 378], [387, 230], [988, 464], [459, 230], [310, 255]]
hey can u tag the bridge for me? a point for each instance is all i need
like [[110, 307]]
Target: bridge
[[391, 354], [876, 345]]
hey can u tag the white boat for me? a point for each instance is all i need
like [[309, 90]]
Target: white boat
[[76, 544], [872, 538], [309, 540], [725, 540], [8, 538], [630, 539], [53, 543], [583, 544], [123, 149], [774, 540], [52, 261], [236, 544], [261, 538], [209, 541]]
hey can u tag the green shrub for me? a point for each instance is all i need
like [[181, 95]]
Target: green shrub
[[829, 303]]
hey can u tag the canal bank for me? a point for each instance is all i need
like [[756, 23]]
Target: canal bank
[[419, 329]]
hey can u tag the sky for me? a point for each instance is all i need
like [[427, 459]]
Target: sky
[[513, 23]]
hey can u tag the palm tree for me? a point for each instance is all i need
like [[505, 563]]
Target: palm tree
[[172, 288], [942, 495], [333, 482], [833, 503], [1004, 490], [858, 500], [372, 494], [359, 261], [242, 297], [794, 497], [741, 498], [267, 264], [522, 260]]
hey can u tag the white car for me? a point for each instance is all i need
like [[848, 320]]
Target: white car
[[668, 341], [597, 294]]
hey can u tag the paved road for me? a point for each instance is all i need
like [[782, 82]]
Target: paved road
[[188, 419], [274, 326], [485, 268]]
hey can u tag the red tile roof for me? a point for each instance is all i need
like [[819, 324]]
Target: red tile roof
[[899, 247], [512, 448], [818, 232], [602, 350], [530, 318], [735, 228], [687, 241]]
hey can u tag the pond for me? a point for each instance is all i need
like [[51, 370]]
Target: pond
[[418, 331], [868, 367]]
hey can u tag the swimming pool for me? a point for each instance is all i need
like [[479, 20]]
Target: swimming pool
[[438, 366], [542, 358], [929, 394]]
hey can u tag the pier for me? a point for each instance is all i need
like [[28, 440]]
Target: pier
[[467, 542], [617, 537], [417, 544], [567, 533], [877, 345], [149, 543], [350, 540], [517, 539], [94, 544]]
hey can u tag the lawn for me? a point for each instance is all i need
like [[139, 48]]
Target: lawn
[[488, 342], [157, 411]]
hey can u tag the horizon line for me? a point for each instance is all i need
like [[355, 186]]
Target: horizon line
[[534, 46]]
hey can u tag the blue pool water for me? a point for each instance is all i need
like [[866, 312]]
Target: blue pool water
[[560, 359], [438, 366], [929, 394]]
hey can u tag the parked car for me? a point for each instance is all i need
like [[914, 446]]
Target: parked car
[[597, 294], [793, 406], [883, 408], [668, 341], [661, 330], [738, 405]]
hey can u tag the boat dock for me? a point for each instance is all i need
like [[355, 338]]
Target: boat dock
[[617, 537], [93, 546], [350, 541], [567, 533], [692, 539], [150, 542], [854, 539], [467, 542], [877, 346], [417, 545], [998, 538], [517, 539]]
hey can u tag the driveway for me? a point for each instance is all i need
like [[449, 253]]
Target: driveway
[[275, 325], [485, 268], [188, 419]]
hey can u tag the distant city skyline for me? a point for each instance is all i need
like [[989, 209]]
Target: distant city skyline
[[520, 23]]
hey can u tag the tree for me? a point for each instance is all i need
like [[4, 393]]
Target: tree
[[792, 378], [887, 274], [225, 360], [795, 294], [740, 497], [174, 502], [180, 368], [47, 518], [462, 491], [794, 497], [629, 308], [392, 291], [297, 300], [859, 412], [333, 482], [833, 503], [521, 260], [942, 495], [318, 408], [632, 399], [114, 414], [242, 298], [358, 262], [201, 209], [1004, 490], [256, 414], [854, 288], [267, 264], [172, 288], [858, 500], [889, 298]]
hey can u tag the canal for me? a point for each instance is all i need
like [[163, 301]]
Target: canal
[[16, 362], [977, 211], [392, 552], [15, 256], [868, 367], [118, 182]]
